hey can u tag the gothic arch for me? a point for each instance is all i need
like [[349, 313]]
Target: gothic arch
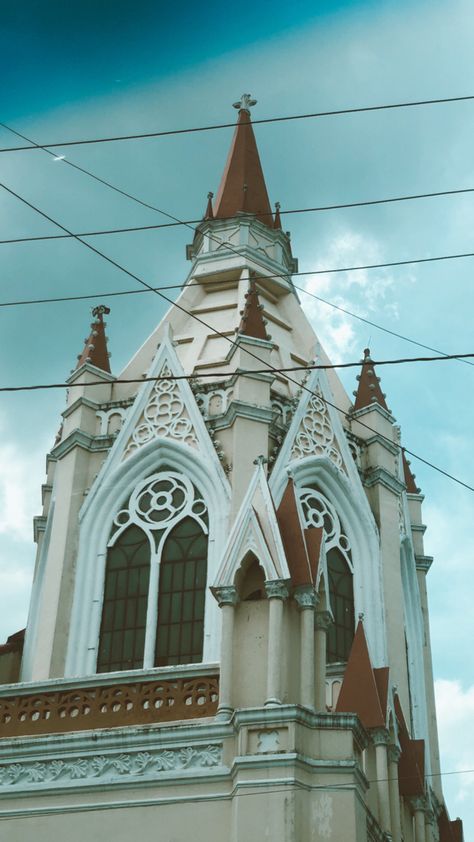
[[350, 502], [95, 526]]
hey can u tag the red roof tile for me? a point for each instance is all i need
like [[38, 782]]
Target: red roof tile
[[359, 693], [368, 390], [95, 346]]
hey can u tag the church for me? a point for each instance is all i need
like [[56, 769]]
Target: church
[[228, 635]]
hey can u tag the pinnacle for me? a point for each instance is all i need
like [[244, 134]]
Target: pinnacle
[[408, 475], [368, 390], [243, 188], [95, 345], [252, 322]]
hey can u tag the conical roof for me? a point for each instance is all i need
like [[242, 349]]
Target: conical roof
[[368, 390], [252, 322], [360, 688], [408, 476], [243, 188], [95, 346]]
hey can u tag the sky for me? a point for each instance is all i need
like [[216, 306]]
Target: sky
[[103, 69]]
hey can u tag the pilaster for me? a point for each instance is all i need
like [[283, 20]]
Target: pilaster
[[277, 593], [306, 600], [227, 599], [322, 622]]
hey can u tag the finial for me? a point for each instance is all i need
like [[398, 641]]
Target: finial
[[100, 311], [260, 460], [209, 214], [245, 103], [277, 222], [361, 616]]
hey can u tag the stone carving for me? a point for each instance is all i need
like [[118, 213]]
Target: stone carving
[[110, 767], [276, 589], [118, 705], [315, 436], [215, 401], [318, 511], [158, 503], [165, 416]]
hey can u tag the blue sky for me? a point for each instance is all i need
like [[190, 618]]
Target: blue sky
[[105, 70]]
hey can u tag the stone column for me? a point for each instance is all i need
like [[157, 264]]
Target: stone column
[[430, 825], [323, 620], [380, 739], [306, 600], [394, 757], [419, 807], [227, 598], [277, 592]]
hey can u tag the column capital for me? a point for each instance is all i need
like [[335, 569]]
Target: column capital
[[226, 595], [418, 803], [306, 597], [380, 736], [276, 589], [394, 753], [322, 620]]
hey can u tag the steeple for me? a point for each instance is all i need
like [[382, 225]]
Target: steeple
[[408, 475], [277, 222], [368, 390], [95, 346], [242, 188], [252, 322]]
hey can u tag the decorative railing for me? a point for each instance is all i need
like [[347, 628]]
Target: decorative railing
[[109, 706]]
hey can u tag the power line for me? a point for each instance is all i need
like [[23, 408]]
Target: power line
[[238, 373], [224, 336], [307, 116], [134, 228]]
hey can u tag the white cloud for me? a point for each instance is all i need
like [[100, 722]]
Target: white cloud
[[455, 710], [19, 491]]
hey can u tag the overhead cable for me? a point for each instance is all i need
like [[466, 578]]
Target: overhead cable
[[306, 116]]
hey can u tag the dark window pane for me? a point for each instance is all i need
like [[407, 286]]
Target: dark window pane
[[341, 633], [122, 635], [183, 574]]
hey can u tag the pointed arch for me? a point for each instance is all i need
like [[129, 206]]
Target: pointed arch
[[96, 534], [348, 498], [341, 632]]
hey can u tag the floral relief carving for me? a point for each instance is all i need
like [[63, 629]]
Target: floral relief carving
[[315, 436], [110, 767], [164, 416]]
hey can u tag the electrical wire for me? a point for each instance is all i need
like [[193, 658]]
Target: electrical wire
[[239, 373], [134, 228], [224, 336], [307, 116]]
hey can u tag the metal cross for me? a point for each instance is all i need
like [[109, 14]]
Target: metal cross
[[245, 103]]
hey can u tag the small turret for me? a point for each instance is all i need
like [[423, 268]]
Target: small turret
[[368, 390], [95, 345], [252, 322]]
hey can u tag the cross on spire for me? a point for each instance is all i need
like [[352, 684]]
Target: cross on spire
[[245, 103]]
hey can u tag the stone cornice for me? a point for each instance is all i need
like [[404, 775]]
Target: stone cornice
[[380, 476], [423, 562], [81, 401], [282, 714], [39, 526], [239, 409], [364, 410], [392, 447], [78, 438], [98, 373]]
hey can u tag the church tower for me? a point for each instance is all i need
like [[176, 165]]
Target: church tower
[[228, 634]]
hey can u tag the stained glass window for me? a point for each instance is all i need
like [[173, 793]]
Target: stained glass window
[[181, 595], [341, 632], [122, 633]]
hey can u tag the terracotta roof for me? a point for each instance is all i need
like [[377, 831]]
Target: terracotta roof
[[95, 346], [14, 643], [368, 390], [294, 542], [314, 537], [411, 768], [359, 693], [243, 185], [252, 323], [409, 477], [381, 675]]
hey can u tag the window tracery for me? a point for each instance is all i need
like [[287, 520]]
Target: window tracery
[[318, 511], [155, 578], [315, 436]]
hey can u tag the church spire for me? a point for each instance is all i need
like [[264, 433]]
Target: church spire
[[95, 346], [243, 185], [252, 322], [368, 390]]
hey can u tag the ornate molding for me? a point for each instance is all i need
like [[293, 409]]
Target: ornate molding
[[164, 416], [306, 597], [394, 754], [109, 768], [315, 436], [276, 589]]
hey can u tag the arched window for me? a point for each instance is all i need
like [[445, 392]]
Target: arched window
[[155, 577], [319, 511], [341, 597]]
